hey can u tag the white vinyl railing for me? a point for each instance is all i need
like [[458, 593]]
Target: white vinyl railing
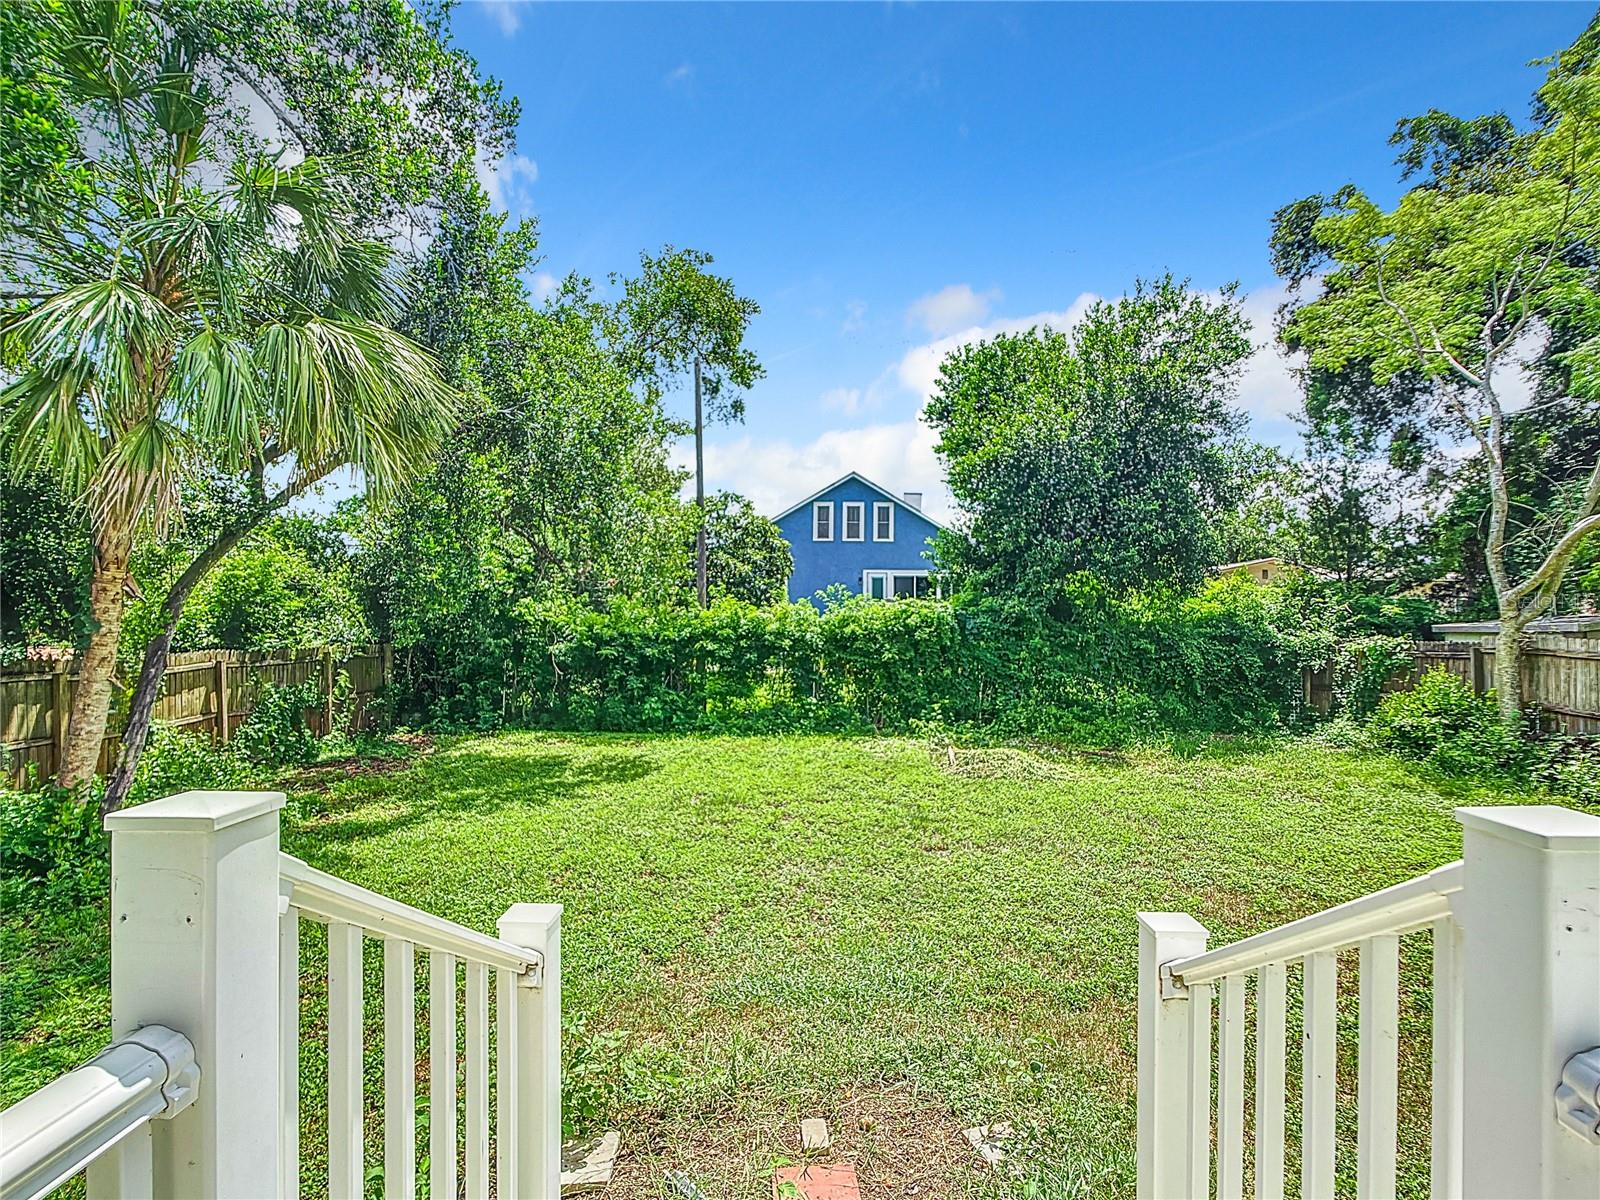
[[205, 939], [1515, 931]]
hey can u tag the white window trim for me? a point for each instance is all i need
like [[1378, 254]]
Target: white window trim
[[888, 582], [861, 522], [876, 506], [815, 509]]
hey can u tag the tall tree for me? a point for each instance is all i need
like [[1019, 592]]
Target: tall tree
[[1438, 297], [746, 556], [1100, 449], [200, 306], [675, 318]]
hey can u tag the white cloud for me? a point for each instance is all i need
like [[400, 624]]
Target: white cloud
[[1269, 394], [544, 284], [918, 369], [679, 75], [951, 308], [504, 14], [509, 182], [845, 400], [776, 474]]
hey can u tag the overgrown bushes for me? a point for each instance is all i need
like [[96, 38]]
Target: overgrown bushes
[[1085, 666]]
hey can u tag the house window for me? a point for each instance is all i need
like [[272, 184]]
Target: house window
[[882, 521], [855, 517], [822, 521], [898, 585]]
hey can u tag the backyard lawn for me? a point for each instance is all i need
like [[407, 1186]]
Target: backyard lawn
[[906, 941]]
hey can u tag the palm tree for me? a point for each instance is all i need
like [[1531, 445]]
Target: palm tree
[[189, 304]]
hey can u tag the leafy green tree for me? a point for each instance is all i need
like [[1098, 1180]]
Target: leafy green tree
[[44, 564], [204, 306], [1098, 450], [676, 318], [746, 557], [1435, 298], [1257, 513]]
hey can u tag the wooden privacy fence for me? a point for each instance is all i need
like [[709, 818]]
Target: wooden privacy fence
[[209, 691], [1560, 674]]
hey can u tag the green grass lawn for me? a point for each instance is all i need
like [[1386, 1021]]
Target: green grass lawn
[[907, 943]]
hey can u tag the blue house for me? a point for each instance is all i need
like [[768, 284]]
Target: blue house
[[862, 535]]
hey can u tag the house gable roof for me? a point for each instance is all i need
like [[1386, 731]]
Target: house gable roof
[[877, 487]]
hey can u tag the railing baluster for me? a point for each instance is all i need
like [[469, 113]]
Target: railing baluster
[[442, 1075], [289, 1052], [1230, 1090], [1319, 1044], [505, 1086], [345, 1169], [399, 1070], [1377, 1083], [477, 1080], [1271, 1009], [1447, 1060], [1200, 1091]]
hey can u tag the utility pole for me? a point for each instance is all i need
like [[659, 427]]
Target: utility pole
[[699, 490]]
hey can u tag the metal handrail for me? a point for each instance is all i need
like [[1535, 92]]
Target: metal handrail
[[49, 1136], [1399, 909]]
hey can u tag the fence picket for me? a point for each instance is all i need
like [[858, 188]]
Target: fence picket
[[1446, 1083], [1200, 1091], [289, 1052], [1230, 1089], [477, 1079], [441, 1074], [345, 1106], [1377, 1080], [505, 1085], [399, 1070], [1271, 1009], [1318, 1094]]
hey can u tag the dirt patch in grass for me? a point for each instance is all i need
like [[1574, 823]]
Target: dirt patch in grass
[[902, 1144], [319, 778]]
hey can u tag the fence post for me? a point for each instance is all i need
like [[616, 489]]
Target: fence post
[[60, 707], [1480, 671], [327, 691], [194, 946], [1163, 1075], [1530, 916], [222, 699], [538, 1158]]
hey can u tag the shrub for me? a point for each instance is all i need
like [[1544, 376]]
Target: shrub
[[276, 733], [51, 840], [1441, 722]]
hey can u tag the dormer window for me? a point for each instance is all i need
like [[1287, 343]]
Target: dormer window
[[822, 521], [855, 520], [882, 521]]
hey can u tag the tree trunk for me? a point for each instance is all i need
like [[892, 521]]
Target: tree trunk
[[154, 667], [1508, 669], [91, 703], [699, 494]]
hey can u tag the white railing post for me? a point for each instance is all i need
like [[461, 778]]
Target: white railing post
[[1530, 915], [538, 1028], [194, 946], [1164, 1051]]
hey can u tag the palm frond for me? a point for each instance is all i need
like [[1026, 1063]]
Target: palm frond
[[137, 480], [51, 420], [216, 396]]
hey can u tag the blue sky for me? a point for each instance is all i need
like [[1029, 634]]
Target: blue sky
[[886, 180]]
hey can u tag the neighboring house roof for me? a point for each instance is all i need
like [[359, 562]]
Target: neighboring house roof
[[877, 487], [1251, 562], [1586, 625]]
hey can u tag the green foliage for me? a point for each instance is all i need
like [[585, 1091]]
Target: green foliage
[[44, 564], [1441, 722], [1095, 667], [1102, 450], [746, 557], [276, 733], [52, 846], [1362, 669]]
